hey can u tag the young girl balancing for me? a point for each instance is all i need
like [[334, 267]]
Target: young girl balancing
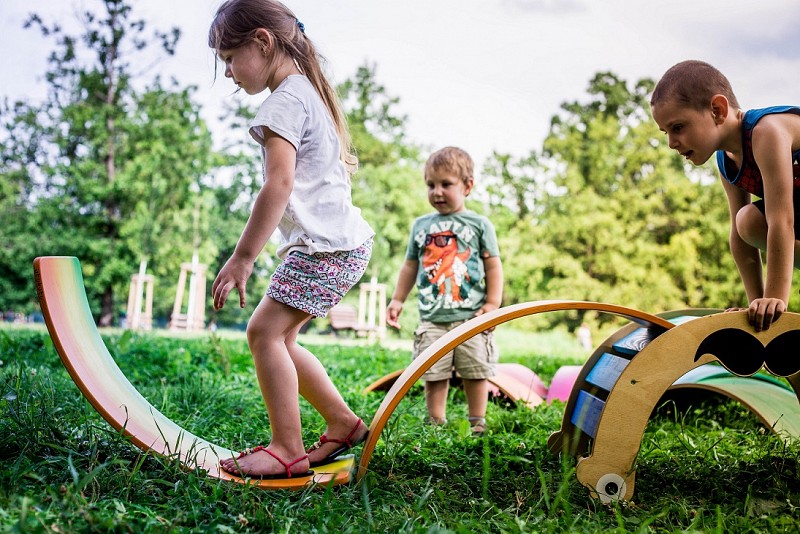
[[325, 243]]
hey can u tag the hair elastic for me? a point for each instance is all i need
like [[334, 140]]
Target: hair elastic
[[300, 25]]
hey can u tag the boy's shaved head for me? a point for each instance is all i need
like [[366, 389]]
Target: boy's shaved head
[[693, 83]]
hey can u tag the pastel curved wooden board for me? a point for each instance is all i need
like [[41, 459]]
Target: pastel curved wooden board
[[563, 383], [469, 329], [62, 296], [774, 404], [385, 382], [612, 462], [519, 384]]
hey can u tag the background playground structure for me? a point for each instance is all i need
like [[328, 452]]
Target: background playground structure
[[368, 319], [139, 315], [195, 317], [140, 300]]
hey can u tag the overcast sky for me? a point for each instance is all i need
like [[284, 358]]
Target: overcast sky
[[484, 74]]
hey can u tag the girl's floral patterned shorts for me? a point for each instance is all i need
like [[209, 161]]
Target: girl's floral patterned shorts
[[315, 283]]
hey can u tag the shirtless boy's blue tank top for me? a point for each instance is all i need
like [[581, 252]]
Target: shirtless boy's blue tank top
[[748, 177]]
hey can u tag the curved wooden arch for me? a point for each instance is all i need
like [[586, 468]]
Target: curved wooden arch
[[62, 295], [471, 328], [610, 470]]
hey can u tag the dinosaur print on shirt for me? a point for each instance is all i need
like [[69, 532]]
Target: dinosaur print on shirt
[[450, 278]]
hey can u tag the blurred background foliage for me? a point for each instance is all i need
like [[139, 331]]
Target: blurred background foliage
[[116, 175]]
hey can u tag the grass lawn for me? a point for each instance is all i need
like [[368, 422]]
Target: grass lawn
[[708, 468]]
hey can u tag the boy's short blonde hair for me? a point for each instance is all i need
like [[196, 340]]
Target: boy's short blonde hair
[[693, 83], [453, 160]]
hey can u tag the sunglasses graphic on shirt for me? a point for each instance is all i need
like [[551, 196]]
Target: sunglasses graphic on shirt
[[438, 240]]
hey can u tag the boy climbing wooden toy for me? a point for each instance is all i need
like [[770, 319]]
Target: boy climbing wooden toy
[[757, 153]]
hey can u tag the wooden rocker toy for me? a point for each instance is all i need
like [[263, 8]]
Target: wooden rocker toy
[[673, 351], [62, 295], [625, 378]]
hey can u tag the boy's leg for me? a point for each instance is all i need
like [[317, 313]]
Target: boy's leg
[[437, 378], [751, 224], [436, 400], [475, 360], [269, 327], [477, 392]]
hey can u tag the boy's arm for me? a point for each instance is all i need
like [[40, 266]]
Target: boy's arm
[[746, 257], [405, 282], [772, 148], [493, 269], [267, 211]]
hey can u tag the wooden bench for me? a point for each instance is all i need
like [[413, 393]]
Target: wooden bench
[[343, 317]]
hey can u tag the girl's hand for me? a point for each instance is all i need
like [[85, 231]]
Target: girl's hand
[[234, 274], [765, 311]]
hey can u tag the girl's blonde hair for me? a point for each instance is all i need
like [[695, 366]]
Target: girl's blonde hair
[[235, 25]]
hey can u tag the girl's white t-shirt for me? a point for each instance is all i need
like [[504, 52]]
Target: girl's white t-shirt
[[320, 216]]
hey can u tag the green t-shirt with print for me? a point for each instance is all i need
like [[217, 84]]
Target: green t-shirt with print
[[451, 281]]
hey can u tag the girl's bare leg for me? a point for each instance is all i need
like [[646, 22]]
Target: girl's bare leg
[[318, 389], [268, 331]]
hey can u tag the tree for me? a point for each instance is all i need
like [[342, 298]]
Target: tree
[[625, 207], [607, 212], [388, 186], [378, 132], [17, 185], [513, 192], [229, 198], [110, 167]]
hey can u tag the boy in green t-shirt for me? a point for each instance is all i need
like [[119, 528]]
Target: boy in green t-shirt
[[453, 258]]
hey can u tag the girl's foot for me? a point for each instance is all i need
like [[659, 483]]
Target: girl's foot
[[345, 437], [261, 462]]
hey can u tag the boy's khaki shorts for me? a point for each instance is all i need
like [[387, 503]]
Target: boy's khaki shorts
[[475, 359]]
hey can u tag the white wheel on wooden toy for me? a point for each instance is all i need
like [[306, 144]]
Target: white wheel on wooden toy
[[611, 487]]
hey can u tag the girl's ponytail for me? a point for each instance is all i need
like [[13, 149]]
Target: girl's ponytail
[[310, 63]]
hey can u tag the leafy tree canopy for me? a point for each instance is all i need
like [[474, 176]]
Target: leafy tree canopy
[[109, 172]]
